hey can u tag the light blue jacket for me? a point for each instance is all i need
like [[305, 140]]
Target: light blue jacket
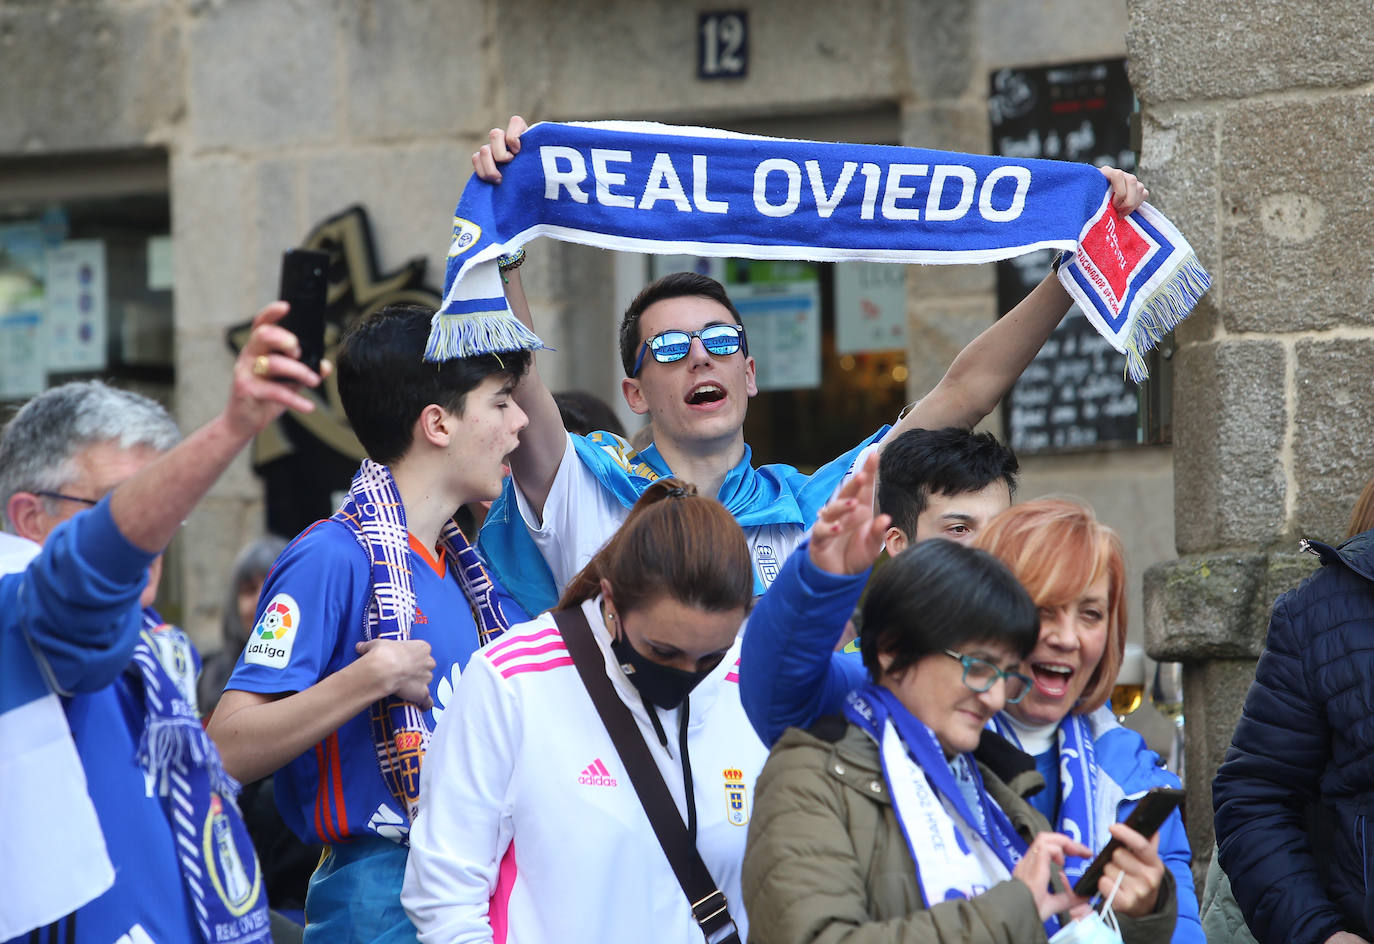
[[790, 676]]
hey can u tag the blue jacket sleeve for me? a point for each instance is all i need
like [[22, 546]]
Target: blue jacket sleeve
[[1178, 859], [789, 673], [1278, 751], [77, 603]]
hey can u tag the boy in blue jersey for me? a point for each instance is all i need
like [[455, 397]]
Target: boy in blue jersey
[[118, 823], [368, 618]]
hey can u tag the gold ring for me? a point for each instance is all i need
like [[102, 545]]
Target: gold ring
[[261, 366]]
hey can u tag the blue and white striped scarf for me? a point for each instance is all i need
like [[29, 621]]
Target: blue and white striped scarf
[[181, 766], [1077, 786], [376, 517], [646, 187]]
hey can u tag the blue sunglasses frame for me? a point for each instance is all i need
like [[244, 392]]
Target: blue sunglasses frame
[[732, 334]]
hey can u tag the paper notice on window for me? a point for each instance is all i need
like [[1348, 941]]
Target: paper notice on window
[[783, 324], [77, 306], [870, 307], [21, 352]]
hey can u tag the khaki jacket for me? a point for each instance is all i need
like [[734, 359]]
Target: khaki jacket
[[826, 860]]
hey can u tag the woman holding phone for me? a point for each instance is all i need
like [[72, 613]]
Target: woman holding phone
[[813, 595], [1095, 770], [905, 821]]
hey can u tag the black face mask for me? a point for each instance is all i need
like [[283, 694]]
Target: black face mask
[[662, 685]]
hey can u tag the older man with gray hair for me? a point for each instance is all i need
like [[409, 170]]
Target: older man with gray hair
[[70, 446], [117, 822]]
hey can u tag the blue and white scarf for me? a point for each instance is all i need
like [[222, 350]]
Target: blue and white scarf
[[647, 187], [181, 765], [375, 516], [1077, 786], [771, 495], [962, 841]]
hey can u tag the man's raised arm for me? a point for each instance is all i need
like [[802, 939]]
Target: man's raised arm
[[150, 507], [543, 442], [986, 368]]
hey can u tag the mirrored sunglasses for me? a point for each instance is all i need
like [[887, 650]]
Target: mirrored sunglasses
[[718, 339]]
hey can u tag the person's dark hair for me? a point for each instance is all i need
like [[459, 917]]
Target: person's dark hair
[[924, 462], [675, 543], [939, 595], [585, 413], [676, 285], [385, 382]]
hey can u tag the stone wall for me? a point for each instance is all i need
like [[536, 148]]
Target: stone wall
[[1254, 116]]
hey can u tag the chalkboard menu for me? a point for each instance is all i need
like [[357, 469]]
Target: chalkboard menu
[[1074, 395]]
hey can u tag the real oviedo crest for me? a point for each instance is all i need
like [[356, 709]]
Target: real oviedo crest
[[736, 797]]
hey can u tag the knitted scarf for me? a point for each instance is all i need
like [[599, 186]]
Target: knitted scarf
[[181, 764], [375, 516], [646, 187]]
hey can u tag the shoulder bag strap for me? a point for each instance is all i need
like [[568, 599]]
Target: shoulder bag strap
[[709, 906]]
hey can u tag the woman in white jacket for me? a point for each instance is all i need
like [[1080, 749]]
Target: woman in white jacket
[[529, 829]]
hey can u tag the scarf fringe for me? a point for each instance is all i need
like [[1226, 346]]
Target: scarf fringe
[[1163, 312], [168, 742], [487, 332]]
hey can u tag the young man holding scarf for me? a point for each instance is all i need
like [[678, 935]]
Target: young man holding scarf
[[120, 824], [337, 687], [569, 493]]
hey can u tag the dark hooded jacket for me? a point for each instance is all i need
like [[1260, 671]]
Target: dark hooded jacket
[[1293, 796]]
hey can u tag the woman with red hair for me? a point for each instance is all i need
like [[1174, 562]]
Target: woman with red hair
[[1095, 770]]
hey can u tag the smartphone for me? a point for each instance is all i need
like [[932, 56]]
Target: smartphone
[[1150, 813], [305, 287]]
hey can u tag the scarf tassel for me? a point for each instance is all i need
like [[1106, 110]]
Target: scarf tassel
[[1164, 311], [168, 742], [473, 333]]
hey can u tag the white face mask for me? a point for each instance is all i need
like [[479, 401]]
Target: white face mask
[[1093, 928], [1090, 929]]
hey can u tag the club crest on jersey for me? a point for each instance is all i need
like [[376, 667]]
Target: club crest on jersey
[[465, 235], [225, 863], [409, 754], [274, 635], [767, 562], [736, 797]]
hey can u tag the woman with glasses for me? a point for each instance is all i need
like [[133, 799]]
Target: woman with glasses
[[907, 819], [1094, 769]]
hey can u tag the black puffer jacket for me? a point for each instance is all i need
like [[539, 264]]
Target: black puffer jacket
[[1292, 798]]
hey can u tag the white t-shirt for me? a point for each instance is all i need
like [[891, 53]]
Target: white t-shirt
[[580, 515], [531, 831]]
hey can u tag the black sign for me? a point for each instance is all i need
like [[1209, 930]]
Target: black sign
[[723, 44], [1074, 394]]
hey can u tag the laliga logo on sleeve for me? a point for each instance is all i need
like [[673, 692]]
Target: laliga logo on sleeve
[[736, 797], [465, 235], [270, 642]]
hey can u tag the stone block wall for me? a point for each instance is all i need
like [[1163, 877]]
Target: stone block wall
[[1252, 118]]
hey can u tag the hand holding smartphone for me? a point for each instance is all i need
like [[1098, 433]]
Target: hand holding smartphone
[[305, 287], [1150, 813]]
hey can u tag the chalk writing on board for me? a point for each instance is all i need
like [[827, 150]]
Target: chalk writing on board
[[1074, 394]]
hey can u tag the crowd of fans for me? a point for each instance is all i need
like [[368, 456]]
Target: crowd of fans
[[665, 696]]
